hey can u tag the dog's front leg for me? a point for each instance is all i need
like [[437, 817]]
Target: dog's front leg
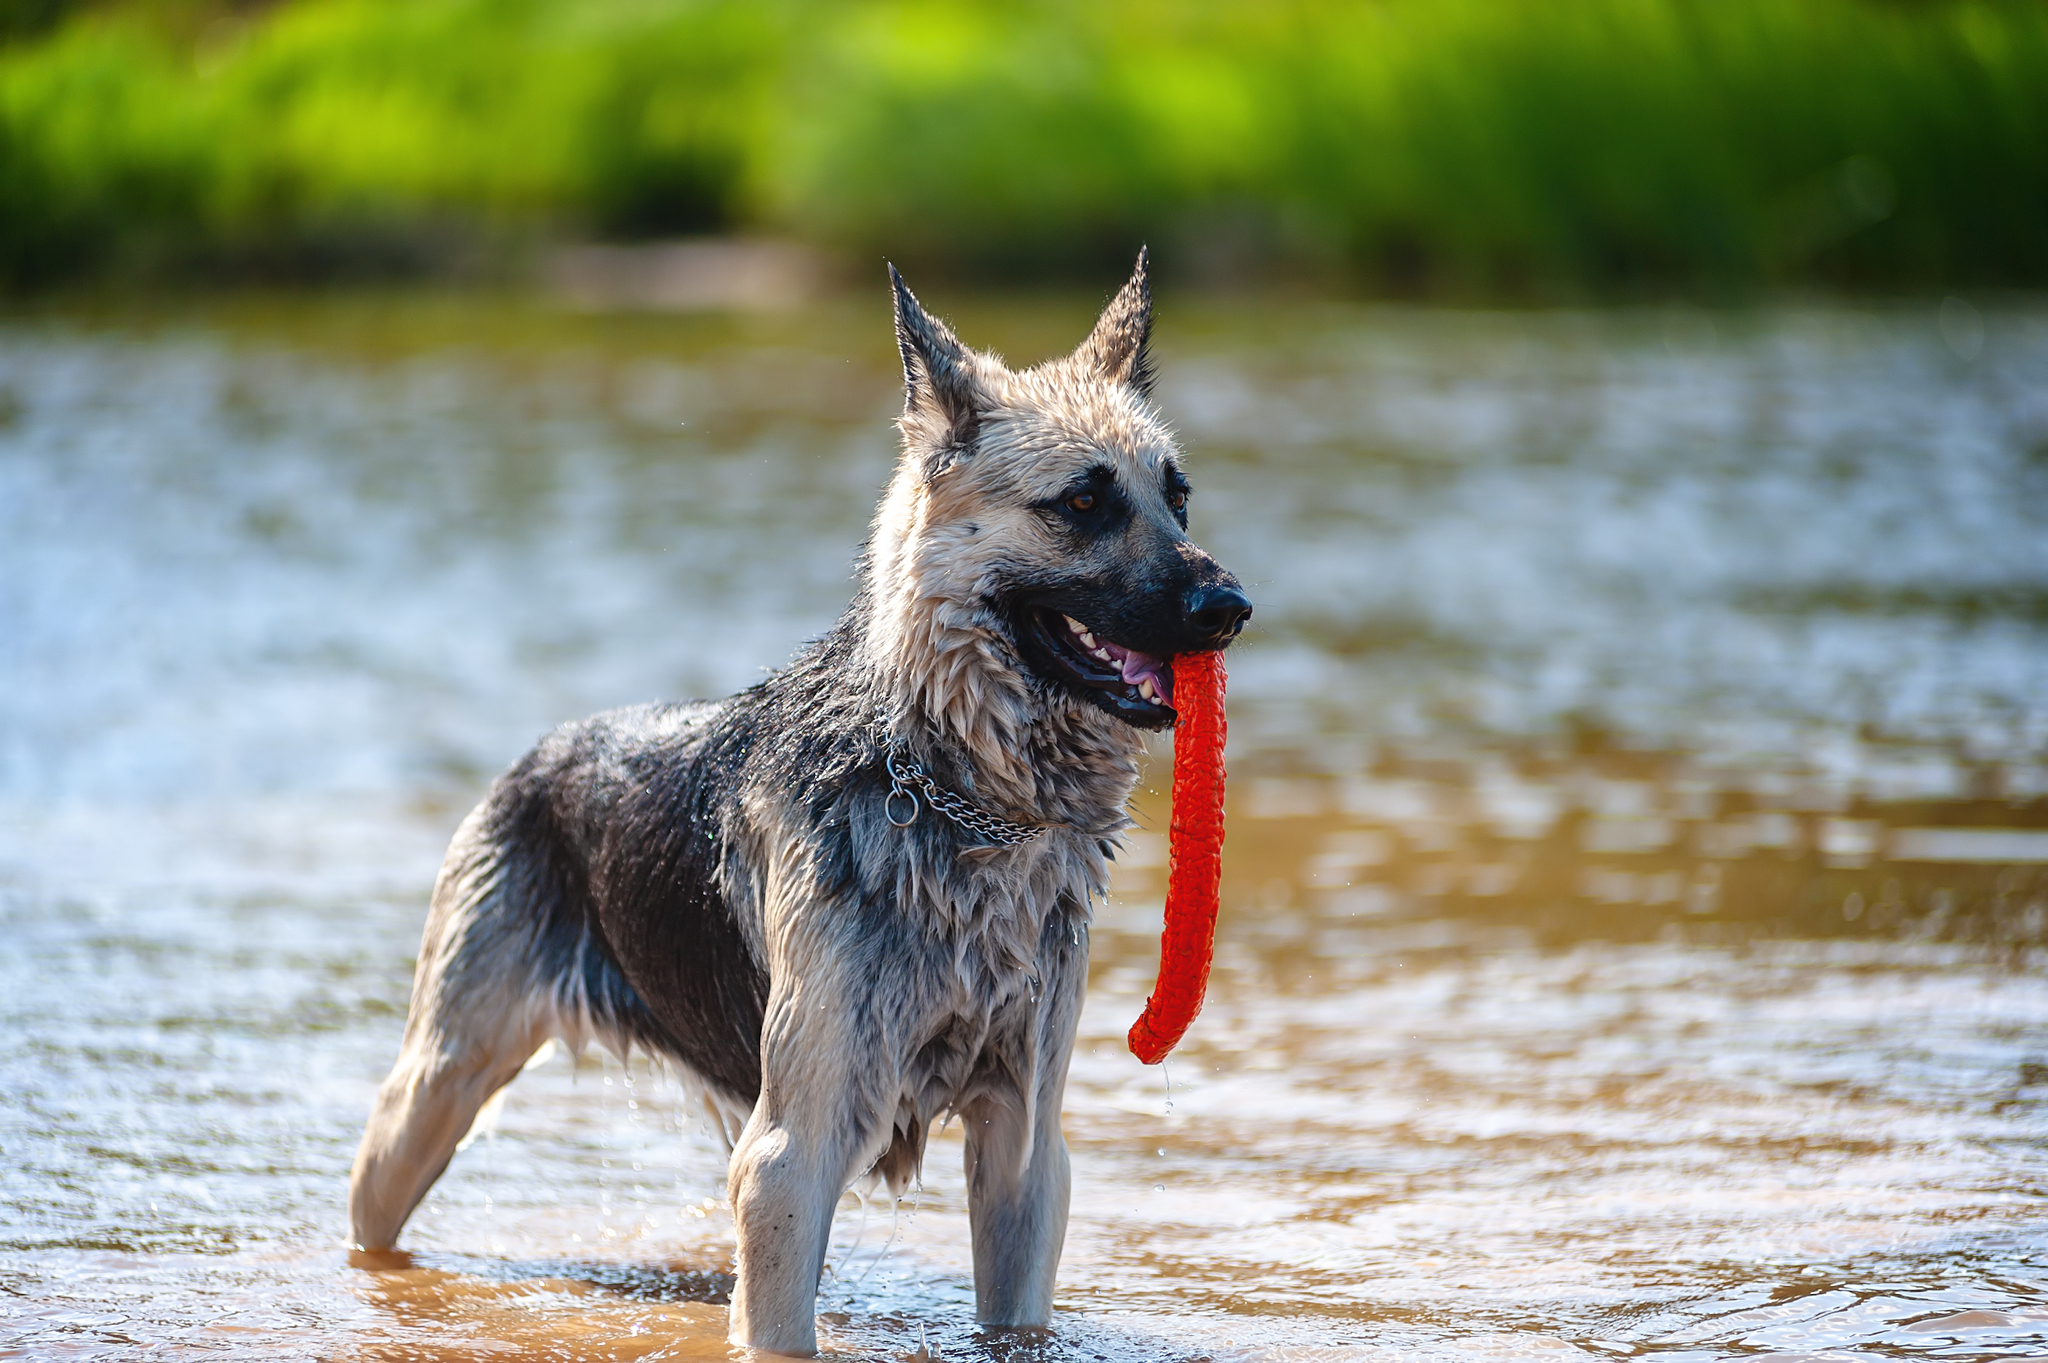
[[1019, 1217], [1018, 1181], [810, 1134]]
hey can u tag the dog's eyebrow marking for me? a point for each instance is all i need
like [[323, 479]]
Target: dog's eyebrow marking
[[1096, 477]]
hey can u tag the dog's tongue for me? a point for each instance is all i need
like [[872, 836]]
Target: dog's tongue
[[1136, 666], [1196, 845]]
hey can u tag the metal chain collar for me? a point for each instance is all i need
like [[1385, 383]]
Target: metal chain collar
[[904, 771]]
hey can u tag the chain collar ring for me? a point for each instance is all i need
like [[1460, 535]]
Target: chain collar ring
[[897, 792], [905, 772]]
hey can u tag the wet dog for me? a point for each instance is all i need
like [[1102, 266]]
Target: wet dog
[[856, 897]]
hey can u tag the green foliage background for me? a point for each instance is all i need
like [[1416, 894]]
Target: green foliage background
[[1447, 147]]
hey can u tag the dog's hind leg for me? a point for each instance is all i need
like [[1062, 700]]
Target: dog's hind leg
[[475, 1021]]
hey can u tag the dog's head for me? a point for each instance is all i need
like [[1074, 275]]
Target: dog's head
[[1032, 550]]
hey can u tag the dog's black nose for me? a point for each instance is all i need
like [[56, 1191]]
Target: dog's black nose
[[1218, 612]]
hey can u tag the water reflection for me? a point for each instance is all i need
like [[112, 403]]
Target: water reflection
[[539, 1310], [1634, 901], [1635, 846]]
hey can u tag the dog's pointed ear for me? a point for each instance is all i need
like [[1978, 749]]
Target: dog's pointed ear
[[939, 383], [1118, 347]]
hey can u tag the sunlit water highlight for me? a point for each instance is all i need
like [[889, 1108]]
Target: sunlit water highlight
[[1635, 897]]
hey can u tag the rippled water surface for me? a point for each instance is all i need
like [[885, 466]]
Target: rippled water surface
[[1636, 897]]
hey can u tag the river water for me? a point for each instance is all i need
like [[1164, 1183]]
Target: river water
[[1636, 897]]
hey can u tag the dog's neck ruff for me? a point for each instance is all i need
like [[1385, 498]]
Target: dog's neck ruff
[[905, 772]]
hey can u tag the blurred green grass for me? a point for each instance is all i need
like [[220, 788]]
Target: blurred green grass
[[1424, 147]]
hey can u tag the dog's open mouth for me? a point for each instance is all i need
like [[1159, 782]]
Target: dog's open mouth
[[1137, 687]]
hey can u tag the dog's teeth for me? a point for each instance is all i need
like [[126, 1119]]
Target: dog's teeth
[[1103, 654], [1087, 639], [1147, 690], [1073, 625]]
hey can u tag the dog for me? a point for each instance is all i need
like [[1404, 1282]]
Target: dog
[[855, 898]]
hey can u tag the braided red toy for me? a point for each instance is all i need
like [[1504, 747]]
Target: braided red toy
[[1196, 848]]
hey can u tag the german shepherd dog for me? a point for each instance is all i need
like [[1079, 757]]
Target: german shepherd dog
[[854, 898]]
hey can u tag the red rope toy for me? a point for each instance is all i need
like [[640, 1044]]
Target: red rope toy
[[1196, 848]]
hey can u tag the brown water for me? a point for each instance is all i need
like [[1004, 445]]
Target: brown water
[[1636, 896]]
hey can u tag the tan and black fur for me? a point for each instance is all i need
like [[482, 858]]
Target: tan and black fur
[[718, 884]]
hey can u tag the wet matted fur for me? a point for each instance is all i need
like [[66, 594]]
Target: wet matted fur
[[720, 884]]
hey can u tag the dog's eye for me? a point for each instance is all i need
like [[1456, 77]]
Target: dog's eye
[[1176, 498], [1081, 502]]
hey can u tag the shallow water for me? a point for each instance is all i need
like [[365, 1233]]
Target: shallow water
[[1635, 902]]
